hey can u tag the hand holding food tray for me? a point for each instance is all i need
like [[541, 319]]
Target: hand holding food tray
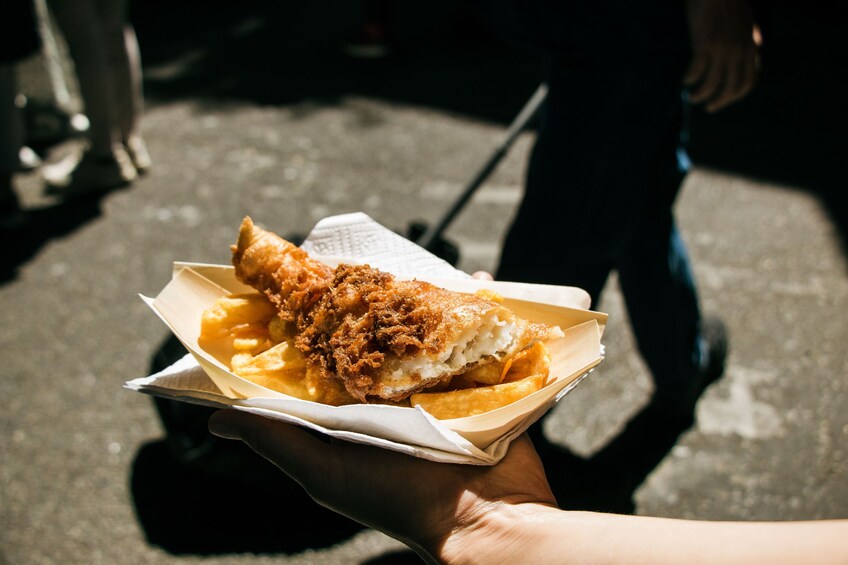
[[323, 372]]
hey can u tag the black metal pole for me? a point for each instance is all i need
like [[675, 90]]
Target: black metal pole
[[527, 113]]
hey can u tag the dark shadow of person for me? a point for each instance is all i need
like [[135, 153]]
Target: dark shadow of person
[[43, 225], [197, 494], [606, 481]]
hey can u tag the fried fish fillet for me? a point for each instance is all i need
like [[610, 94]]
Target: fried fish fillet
[[384, 338]]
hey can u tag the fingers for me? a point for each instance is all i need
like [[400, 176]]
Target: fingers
[[721, 75], [739, 81], [482, 275], [725, 40]]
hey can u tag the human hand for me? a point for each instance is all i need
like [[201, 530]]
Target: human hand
[[419, 502], [725, 44]]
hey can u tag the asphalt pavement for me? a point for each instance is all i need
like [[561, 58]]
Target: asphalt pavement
[[259, 112]]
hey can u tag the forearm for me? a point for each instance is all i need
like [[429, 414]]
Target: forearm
[[533, 533]]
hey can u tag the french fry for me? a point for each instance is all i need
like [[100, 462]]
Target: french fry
[[244, 330], [240, 360], [534, 360], [283, 357], [472, 401], [489, 374], [253, 345], [235, 312], [281, 368], [278, 330], [253, 339]]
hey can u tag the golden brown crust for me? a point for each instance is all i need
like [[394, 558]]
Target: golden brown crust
[[368, 314], [353, 320], [286, 274]]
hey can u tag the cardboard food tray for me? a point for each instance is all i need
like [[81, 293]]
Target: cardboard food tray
[[481, 439]]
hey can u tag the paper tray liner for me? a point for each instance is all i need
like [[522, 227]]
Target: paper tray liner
[[480, 439]]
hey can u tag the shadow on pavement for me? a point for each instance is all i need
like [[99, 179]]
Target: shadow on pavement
[[232, 501], [197, 494], [607, 481], [185, 508], [285, 53], [43, 225], [789, 130]]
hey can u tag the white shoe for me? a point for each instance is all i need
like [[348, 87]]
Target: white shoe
[[28, 159], [89, 173]]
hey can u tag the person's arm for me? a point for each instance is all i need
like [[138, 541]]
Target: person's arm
[[539, 534], [725, 43], [506, 513]]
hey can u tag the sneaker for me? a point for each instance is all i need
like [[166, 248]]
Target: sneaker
[[28, 159], [89, 173], [714, 346], [137, 150]]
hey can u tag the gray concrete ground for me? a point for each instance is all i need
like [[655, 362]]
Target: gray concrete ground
[[83, 462]]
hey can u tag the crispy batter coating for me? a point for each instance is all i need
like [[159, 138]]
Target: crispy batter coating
[[354, 321], [285, 273], [369, 315]]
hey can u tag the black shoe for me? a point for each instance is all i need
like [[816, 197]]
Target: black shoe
[[678, 410], [714, 335]]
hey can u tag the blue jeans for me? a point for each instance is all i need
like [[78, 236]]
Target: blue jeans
[[601, 184]]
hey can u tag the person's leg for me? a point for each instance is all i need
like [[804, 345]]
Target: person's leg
[[683, 351], [79, 23], [591, 205], [124, 67], [586, 178], [61, 95], [656, 276], [105, 164]]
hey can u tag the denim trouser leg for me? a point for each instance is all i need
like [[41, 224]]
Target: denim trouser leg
[[656, 280], [601, 184]]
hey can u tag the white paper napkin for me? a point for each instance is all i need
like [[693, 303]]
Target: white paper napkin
[[358, 235]]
